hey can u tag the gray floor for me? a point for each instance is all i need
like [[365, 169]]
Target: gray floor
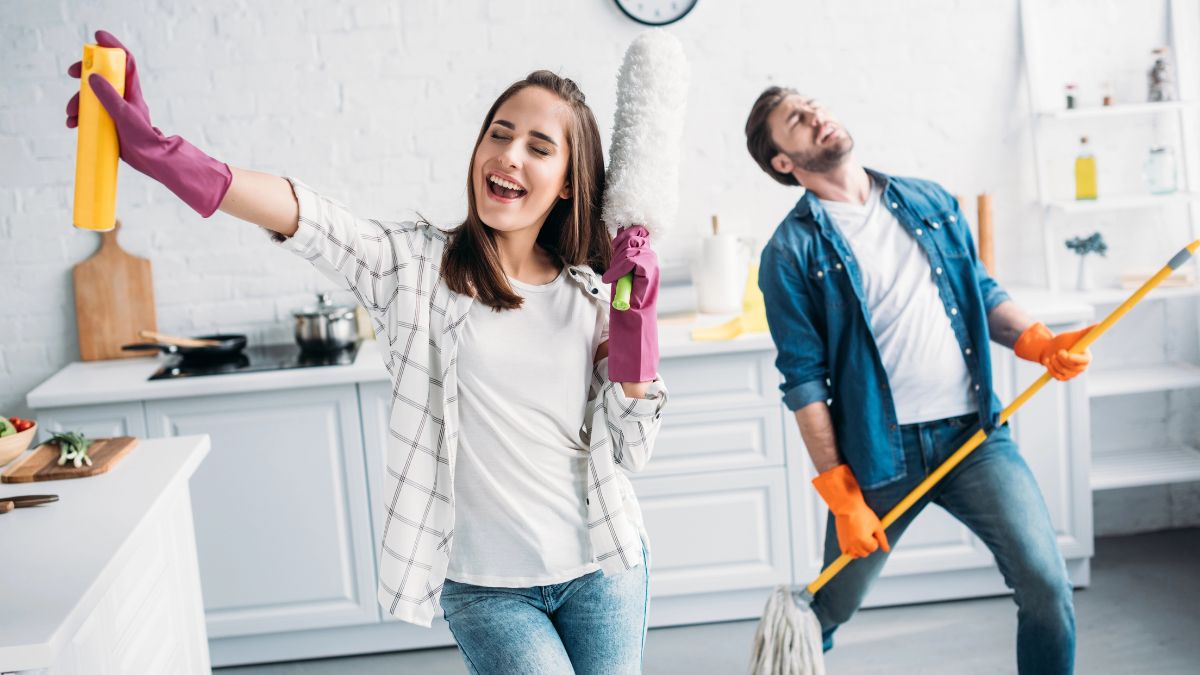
[[1140, 615]]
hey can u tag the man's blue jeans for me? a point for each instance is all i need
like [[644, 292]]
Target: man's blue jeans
[[592, 625], [994, 494]]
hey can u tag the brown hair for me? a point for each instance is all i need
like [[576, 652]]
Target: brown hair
[[573, 231], [758, 132]]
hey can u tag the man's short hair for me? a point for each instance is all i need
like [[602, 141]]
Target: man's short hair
[[758, 132]]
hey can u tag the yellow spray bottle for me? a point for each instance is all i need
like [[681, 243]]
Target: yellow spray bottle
[[96, 151]]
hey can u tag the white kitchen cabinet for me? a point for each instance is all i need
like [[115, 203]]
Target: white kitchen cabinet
[[288, 505], [105, 581], [281, 508], [718, 535], [703, 383], [95, 421], [718, 440]]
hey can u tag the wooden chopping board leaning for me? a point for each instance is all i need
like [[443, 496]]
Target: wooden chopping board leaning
[[114, 300]]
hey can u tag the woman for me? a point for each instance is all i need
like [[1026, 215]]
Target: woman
[[504, 501]]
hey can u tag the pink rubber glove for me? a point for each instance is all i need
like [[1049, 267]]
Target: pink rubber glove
[[633, 334], [199, 180]]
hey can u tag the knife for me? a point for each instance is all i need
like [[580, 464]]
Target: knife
[[9, 503]]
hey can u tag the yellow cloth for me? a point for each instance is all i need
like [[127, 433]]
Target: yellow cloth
[[753, 318]]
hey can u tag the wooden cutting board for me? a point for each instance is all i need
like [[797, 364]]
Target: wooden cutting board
[[42, 463], [114, 299]]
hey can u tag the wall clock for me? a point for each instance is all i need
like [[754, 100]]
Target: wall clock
[[656, 12]]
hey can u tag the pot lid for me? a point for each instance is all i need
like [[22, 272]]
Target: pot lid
[[324, 307]]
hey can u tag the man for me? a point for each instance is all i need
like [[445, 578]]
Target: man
[[881, 313]]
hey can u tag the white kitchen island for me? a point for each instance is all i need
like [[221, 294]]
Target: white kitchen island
[[105, 580], [288, 506]]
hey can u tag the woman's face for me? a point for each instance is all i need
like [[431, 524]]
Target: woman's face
[[520, 167]]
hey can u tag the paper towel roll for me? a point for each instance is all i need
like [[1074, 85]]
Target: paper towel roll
[[720, 274]]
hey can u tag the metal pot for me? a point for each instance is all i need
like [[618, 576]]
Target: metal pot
[[325, 327]]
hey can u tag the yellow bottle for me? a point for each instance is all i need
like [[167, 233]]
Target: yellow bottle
[[1085, 171], [96, 150]]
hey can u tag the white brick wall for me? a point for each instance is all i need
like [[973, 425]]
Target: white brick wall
[[378, 103]]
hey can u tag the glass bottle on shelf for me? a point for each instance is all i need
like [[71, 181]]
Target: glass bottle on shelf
[[1162, 79], [1070, 91], [1085, 171], [1160, 171]]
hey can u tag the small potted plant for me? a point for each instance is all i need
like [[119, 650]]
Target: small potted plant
[[1082, 246]]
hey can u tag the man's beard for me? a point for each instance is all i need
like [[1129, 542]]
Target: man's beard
[[823, 160]]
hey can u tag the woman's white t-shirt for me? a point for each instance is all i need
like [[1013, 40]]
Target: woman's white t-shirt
[[520, 476]]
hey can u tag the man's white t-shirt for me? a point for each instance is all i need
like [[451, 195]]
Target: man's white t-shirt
[[520, 476], [925, 367]]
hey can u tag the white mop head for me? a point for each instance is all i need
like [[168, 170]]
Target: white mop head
[[788, 639], [642, 183]]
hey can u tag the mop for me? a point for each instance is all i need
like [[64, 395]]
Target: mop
[[788, 639], [642, 181]]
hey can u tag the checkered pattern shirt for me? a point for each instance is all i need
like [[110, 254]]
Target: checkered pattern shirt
[[393, 271]]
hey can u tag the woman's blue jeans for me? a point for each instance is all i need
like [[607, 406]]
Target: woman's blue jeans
[[994, 494], [591, 625]]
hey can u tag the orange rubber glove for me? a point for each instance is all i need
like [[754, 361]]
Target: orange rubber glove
[[1039, 345], [859, 531]]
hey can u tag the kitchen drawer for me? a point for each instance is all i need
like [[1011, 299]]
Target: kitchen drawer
[[720, 381], [721, 532], [94, 421], [740, 438]]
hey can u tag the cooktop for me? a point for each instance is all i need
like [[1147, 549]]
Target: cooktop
[[256, 358]]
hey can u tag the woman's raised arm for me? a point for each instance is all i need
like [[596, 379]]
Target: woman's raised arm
[[262, 199], [202, 182]]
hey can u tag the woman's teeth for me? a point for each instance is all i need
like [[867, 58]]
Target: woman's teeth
[[503, 183], [504, 188]]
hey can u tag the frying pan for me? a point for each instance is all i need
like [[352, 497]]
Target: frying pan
[[228, 346]]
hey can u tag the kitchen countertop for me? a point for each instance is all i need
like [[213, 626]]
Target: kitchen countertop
[[93, 382], [59, 559]]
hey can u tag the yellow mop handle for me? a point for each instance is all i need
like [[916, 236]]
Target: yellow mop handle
[[979, 436]]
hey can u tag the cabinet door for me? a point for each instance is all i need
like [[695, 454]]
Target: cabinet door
[[717, 440], [95, 421], [716, 532], [282, 528], [720, 381], [1054, 434]]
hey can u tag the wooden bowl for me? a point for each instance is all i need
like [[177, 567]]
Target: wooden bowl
[[12, 446]]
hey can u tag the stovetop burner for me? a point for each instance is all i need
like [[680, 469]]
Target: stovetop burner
[[257, 358]]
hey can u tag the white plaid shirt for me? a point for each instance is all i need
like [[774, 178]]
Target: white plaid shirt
[[393, 271]]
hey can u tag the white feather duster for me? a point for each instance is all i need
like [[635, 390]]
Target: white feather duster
[[642, 182]]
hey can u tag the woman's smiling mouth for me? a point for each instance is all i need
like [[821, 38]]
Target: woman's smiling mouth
[[503, 188]]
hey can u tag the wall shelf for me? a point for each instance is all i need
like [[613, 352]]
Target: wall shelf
[[1119, 110], [1114, 296], [1162, 377], [1070, 206], [1145, 467]]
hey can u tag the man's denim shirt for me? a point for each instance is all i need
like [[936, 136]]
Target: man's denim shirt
[[821, 325]]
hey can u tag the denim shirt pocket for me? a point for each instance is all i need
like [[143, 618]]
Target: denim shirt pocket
[[828, 277], [942, 231]]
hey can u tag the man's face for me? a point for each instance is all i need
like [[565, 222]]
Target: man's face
[[807, 137]]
